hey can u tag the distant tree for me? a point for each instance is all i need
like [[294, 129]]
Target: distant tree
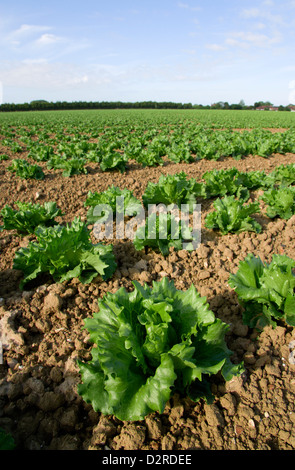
[[257, 104]]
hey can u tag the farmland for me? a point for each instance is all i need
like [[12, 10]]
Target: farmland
[[57, 279]]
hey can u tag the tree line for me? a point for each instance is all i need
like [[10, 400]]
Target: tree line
[[43, 105]]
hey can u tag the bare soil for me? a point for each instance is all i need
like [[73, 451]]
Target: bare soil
[[39, 403]]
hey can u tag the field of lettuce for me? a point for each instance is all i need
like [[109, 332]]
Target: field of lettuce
[[139, 342]]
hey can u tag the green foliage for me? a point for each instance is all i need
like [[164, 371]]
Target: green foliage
[[231, 215], [71, 166], [180, 153], [29, 216], [26, 170], [150, 343], [6, 441], [65, 252], [173, 189], [161, 232], [41, 153], [224, 182], [148, 157], [266, 291], [113, 198], [113, 161], [284, 174], [280, 202]]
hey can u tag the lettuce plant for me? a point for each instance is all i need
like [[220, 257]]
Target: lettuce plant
[[110, 197], [65, 252], [113, 161], [29, 216], [223, 183], [26, 170], [173, 189], [71, 166], [150, 343], [284, 174], [266, 291], [161, 232], [148, 157], [231, 215]]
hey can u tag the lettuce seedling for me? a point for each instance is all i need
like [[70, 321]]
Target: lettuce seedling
[[71, 166], [65, 252], [231, 215], [126, 204], [26, 170], [284, 174], [150, 343], [161, 232], [224, 182], [280, 202], [173, 189], [29, 216], [266, 291], [113, 161]]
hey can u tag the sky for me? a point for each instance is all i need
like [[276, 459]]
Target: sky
[[195, 51]]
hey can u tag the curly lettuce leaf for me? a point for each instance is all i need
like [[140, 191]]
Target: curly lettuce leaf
[[266, 291], [161, 232], [280, 202], [26, 170], [149, 343], [113, 161], [173, 189], [231, 215], [65, 252], [118, 200], [29, 216]]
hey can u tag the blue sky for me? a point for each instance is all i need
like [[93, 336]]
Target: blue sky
[[161, 50]]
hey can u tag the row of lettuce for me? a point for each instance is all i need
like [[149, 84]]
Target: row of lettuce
[[115, 150], [156, 340]]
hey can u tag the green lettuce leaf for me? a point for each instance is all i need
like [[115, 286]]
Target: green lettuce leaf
[[119, 201], [26, 170], [173, 189], [231, 215], [266, 291], [29, 216], [161, 232], [65, 252], [149, 343], [280, 202]]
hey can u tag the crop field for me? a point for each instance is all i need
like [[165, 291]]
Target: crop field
[[127, 329]]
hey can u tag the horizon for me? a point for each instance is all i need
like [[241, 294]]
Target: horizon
[[167, 51]]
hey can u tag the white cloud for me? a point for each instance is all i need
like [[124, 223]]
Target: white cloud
[[40, 74], [253, 13], [34, 61], [186, 6], [248, 39], [28, 29], [48, 39], [24, 33], [259, 25], [250, 13], [215, 47]]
